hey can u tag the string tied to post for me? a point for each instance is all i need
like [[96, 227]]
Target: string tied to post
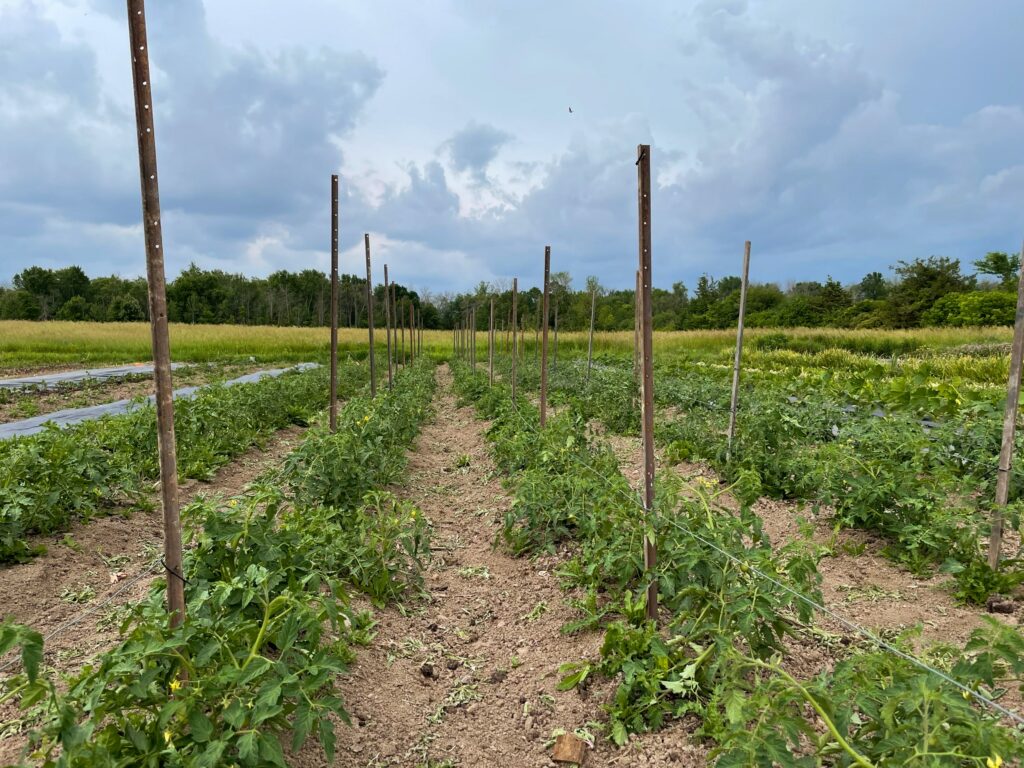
[[174, 573]]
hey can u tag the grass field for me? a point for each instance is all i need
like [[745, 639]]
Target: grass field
[[26, 344]]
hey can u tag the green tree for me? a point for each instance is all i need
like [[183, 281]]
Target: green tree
[[20, 304], [922, 282], [872, 286], [75, 308], [126, 309], [1002, 265]]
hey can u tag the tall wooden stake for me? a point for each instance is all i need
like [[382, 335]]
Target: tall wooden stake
[[369, 316], [387, 327], [401, 329], [490, 346], [334, 303], [153, 236], [734, 402], [544, 341], [515, 342], [590, 344], [995, 541], [644, 205]]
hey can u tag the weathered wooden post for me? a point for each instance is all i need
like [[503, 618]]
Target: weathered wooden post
[[369, 316], [995, 541], [156, 280], [544, 341], [387, 325], [644, 205], [738, 356], [334, 304]]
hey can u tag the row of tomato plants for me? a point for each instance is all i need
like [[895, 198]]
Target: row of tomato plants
[[269, 623], [918, 476], [720, 652], [51, 479]]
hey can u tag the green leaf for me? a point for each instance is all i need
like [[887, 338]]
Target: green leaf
[[200, 725], [734, 701], [270, 750], [247, 747], [619, 734]]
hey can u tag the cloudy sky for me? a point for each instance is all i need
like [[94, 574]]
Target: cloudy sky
[[838, 136]]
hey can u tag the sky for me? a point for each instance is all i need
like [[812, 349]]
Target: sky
[[839, 137]]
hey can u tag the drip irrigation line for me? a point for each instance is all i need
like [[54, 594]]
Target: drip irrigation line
[[848, 623]]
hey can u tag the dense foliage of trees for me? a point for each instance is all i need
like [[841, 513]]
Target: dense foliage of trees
[[921, 292]]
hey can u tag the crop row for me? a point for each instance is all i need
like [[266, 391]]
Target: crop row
[[729, 607], [269, 621], [51, 479], [922, 474]]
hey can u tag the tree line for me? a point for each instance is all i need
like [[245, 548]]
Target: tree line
[[922, 292]]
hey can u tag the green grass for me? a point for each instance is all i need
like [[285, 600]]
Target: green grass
[[27, 345], [30, 345]]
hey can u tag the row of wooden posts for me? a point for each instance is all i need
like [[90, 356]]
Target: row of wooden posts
[[464, 345], [396, 324], [464, 339]]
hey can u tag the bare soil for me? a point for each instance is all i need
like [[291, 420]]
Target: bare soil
[[468, 675], [88, 575]]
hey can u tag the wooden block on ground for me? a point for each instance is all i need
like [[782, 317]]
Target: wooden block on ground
[[569, 749]]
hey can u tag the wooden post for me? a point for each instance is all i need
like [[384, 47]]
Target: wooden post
[[515, 342], [490, 346], [590, 344], [739, 353], [369, 316], [643, 163], [401, 329], [387, 325], [995, 541], [334, 304], [156, 280], [544, 341]]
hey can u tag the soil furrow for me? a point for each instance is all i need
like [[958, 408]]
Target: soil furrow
[[468, 676]]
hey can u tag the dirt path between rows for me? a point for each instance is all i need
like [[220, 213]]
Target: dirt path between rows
[[98, 567], [468, 676]]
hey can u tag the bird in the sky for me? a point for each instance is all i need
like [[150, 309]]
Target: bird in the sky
[[570, 110]]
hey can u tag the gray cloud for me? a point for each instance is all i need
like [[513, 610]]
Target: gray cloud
[[474, 147], [246, 139], [818, 147]]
